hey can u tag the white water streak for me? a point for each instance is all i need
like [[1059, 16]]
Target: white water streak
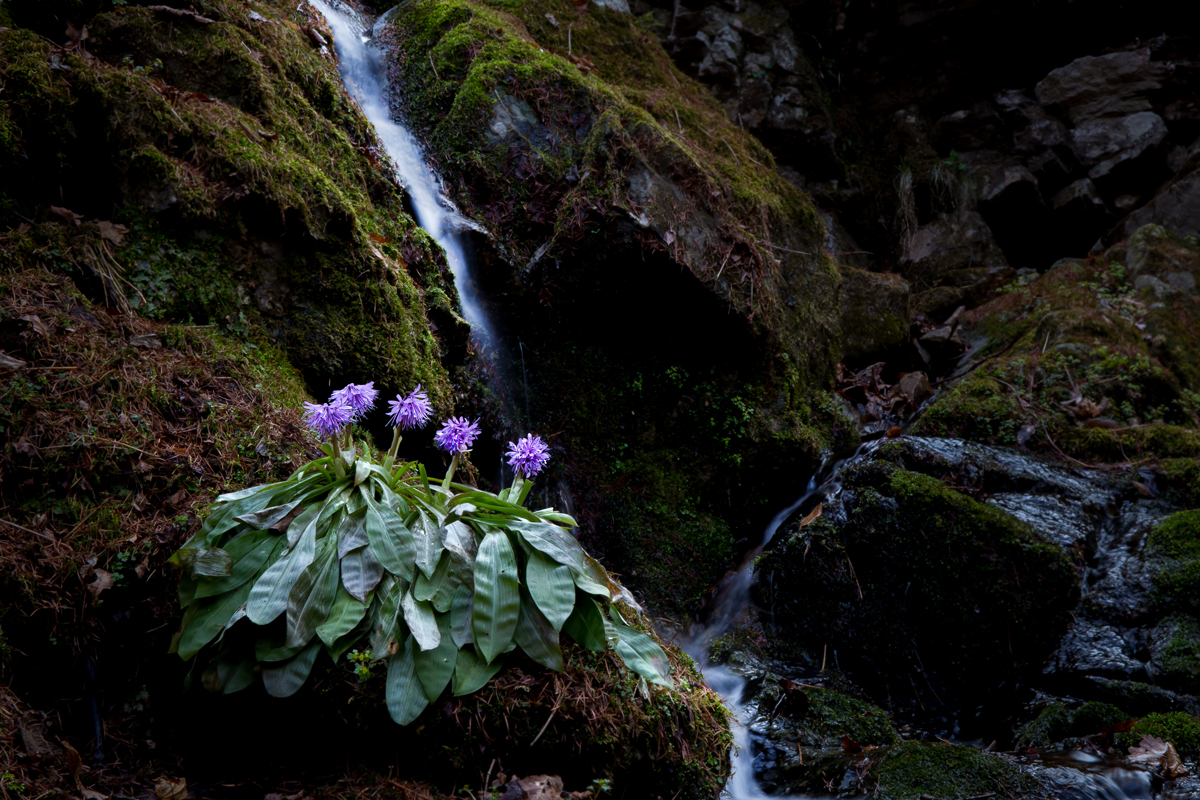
[[364, 72]]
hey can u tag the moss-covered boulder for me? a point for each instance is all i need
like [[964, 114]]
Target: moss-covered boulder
[[1056, 723], [919, 769], [1178, 728], [1089, 360], [921, 590], [1175, 545], [660, 291], [211, 170]]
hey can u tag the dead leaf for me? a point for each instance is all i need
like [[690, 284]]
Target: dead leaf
[[192, 15], [25, 447], [580, 6], [915, 387], [39, 327], [32, 727], [377, 239], [149, 341], [669, 237], [894, 431], [10, 363], [1150, 748], [66, 215], [74, 762], [1024, 433], [1144, 490], [104, 579], [551, 19], [111, 232], [849, 745], [316, 36], [92, 794], [812, 515], [178, 498], [170, 788]]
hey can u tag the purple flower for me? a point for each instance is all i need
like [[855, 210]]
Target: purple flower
[[457, 434], [360, 397], [529, 455], [327, 418], [410, 412]]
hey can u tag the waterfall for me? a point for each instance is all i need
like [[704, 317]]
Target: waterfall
[[364, 72]]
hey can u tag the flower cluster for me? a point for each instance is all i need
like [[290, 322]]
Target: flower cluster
[[410, 412], [457, 435], [529, 455], [327, 419], [359, 396]]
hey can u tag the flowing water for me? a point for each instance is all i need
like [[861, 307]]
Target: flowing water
[[364, 71]]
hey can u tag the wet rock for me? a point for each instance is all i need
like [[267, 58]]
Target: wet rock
[[1080, 209], [1095, 648], [976, 128], [874, 315], [1153, 252], [1176, 206], [1137, 698], [515, 119], [914, 770], [848, 580], [1095, 87]]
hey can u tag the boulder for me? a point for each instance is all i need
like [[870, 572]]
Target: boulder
[[1176, 206], [1108, 86], [1104, 143], [874, 318], [1157, 258]]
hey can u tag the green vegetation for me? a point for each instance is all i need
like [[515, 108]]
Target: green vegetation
[[918, 769], [1176, 541], [1181, 730]]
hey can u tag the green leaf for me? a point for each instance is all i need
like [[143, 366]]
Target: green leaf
[[303, 521], [384, 612], [421, 621], [586, 625], [497, 599], [261, 520], [312, 595], [284, 678], [441, 587], [550, 515], [434, 667], [362, 470], [249, 551], [272, 648], [551, 540], [235, 675], [536, 636], [352, 533], [344, 616], [642, 655], [405, 695], [592, 578], [213, 563], [209, 619], [361, 572], [269, 597], [427, 539], [551, 587], [391, 541], [471, 673], [460, 616]]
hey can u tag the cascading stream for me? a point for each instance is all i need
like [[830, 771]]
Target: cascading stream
[[364, 72]]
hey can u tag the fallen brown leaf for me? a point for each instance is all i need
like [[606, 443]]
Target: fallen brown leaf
[[111, 232], [67, 215], [812, 515], [39, 327], [170, 788]]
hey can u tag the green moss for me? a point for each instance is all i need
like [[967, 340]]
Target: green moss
[[1179, 479], [1181, 655], [1093, 717], [917, 769], [1052, 725], [831, 715], [1181, 730], [1175, 542]]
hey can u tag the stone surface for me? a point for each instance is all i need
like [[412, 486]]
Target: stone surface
[[1176, 206], [874, 318], [1104, 143], [1095, 87]]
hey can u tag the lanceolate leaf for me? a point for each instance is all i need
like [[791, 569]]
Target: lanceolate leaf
[[421, 621], [261, 520], [551, 587], [536, 636], [405, 695], [642, 655], [391, 541], [212, 563], [269, 597], [439, 589], [592, 578], [235, 675], [497, 600], [551, 540], [273, 649], [460, 616], [345, 614], [586, 624], [384, 612], [249, 552], [313, 594], [361, 572], [471, 673], [210, 618], [352, 533], [284, 678], [434, 667], [427, 537]]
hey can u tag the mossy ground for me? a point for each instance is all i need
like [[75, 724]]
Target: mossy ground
[[918, 587], [1181, 730], [821, 717], [1056, 722], [1097, 370]]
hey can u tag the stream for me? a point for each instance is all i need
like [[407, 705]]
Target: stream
[[1075, 776]]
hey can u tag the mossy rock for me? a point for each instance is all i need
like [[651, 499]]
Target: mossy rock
[[819, 718], [1098, 370], [244, 176], [1178, 728], [1094, 717], [1051, 725], [907, 578], [1179, 479], [918, 769], [1175, 545]]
